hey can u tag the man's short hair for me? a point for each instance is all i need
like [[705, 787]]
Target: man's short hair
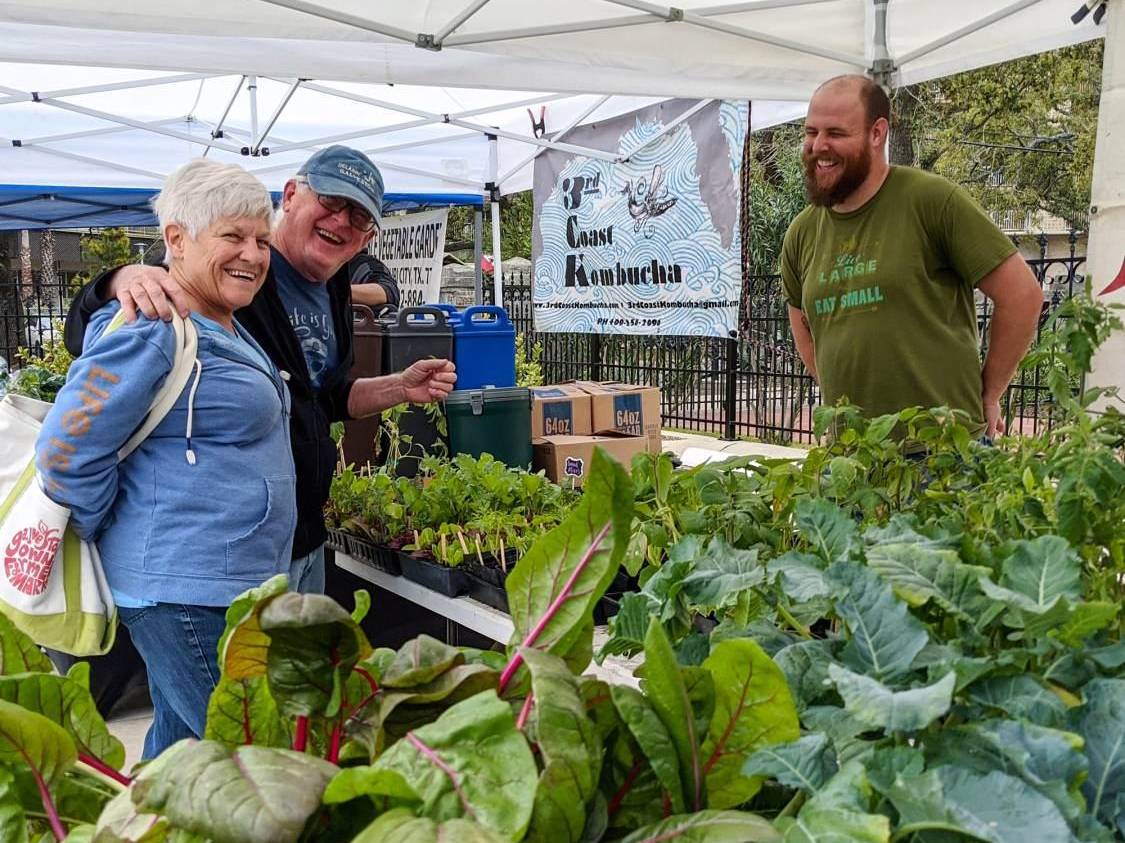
[[875, 101]]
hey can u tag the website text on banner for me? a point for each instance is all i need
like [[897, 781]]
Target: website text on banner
[[412, 246], [649, 244]]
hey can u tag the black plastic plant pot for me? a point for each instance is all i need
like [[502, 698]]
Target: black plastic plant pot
[[486, 584], [381, 558], [337, 540], [606, 608], [444, 580]]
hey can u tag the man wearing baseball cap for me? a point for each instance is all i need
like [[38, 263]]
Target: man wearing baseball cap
[[301, 317]]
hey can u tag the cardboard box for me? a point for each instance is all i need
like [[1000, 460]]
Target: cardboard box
[[625, 408], [560, 410], [567, 458]]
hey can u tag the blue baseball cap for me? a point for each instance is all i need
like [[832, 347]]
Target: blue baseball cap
[[343, 171]]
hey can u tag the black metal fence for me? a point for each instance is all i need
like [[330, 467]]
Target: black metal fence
[[31, 312], [755, 386]]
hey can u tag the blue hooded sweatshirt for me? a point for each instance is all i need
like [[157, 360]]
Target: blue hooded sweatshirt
[[169, 528]]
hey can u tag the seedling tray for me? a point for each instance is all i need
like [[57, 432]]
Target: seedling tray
[[444, 580], [381, 558]]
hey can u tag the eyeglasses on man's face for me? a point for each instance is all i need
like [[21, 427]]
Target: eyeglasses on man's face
[[358, 217]]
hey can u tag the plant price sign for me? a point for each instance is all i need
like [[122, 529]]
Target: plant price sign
[[648, 243], [413, 246]]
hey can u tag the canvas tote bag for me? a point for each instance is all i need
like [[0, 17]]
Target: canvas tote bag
[[52, 586]]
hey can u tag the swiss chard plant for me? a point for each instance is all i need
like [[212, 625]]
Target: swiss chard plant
[[313, 735]]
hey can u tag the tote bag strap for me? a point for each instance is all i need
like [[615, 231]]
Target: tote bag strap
[[187, 341]]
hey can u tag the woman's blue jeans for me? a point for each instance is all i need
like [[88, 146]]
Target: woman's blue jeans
[[179, 644]]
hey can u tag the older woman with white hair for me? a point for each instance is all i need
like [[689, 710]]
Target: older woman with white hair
[[205, 507]]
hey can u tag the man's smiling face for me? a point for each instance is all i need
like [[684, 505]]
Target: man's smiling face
[[837, 151], [316, 241]]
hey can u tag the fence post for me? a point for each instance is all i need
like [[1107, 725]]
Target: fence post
[[596, 357], [730, 401]]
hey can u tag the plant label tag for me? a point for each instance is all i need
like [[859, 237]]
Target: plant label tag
[[575, 467]]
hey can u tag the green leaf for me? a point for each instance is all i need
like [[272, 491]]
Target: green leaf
[[753, 708], [243, 646], [837, 813], [564, 574], [66, 700], [401, 826], [13, 821], [30, 740], [708, 827], [805, 764], [880, 428], [1020, 697], [875, 704], [1047, 759], [885, 637], [1101, 723], [121, 822], [570, 749], [18, 653], [419, 661], [1041, 571], [888, 763], [669, 697], [314, 644], [470, 762], [241, 711], [805, 665], [1071, 623], [362, 605], [995, 807], [827, 529], [720, 574], [653, 739], [919, 573], [354, 782], [628, 627], [802, 576], [197, 783]]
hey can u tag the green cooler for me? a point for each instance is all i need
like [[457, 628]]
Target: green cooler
[[491, 420]]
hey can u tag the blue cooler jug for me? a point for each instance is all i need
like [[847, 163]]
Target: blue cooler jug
[[484, 348]]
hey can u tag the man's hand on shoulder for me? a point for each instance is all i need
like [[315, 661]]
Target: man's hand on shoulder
[[150, 290]]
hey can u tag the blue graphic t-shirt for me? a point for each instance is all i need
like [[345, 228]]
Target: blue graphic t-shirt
[[310, 313]]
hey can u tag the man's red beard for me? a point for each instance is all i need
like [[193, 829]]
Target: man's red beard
[[850, 177]]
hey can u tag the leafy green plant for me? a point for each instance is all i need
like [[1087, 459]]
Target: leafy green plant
[[314, 736], [529, 369]]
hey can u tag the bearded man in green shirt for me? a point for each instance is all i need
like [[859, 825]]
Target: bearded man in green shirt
[[880, 272]]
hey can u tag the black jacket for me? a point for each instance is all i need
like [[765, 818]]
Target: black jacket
[[314, 453]]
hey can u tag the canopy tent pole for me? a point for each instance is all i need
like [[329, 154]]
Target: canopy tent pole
[[494, 196], [252, 89], [217, 129], [454, 24], [672, 15], [86, 159], [453, 120], [613, 23], [666, 128], [968, 29], [21, 96], [1105, 255], [90, 133], [557, 136], [258, 140], [478, 254]]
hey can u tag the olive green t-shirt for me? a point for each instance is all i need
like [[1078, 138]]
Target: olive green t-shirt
[[888, 293]]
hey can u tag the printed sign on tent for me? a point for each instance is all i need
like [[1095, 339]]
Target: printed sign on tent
[[413, 246], [650, 244]]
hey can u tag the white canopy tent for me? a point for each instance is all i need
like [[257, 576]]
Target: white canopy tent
[[757, 49]]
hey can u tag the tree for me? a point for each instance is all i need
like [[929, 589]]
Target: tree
[[103, 250], [1019, 136]]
